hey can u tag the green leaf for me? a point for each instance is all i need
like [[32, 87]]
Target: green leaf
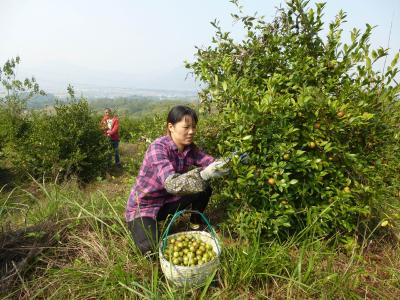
[[224, 86], [367, 116], [247, 137], [395, 60], [368, 63]]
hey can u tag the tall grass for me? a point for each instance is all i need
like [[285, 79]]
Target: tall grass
[[95, 258]]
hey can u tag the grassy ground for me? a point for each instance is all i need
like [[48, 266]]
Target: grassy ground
[[67, 241]]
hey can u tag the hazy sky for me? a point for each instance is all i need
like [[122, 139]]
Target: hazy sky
[[142, 44]]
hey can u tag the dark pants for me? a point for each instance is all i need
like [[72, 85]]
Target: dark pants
[[144, 230], [115, 145]]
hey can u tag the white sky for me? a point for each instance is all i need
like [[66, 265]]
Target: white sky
[[142, 44]]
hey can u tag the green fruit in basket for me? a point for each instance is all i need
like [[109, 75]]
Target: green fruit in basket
[[187, 250]]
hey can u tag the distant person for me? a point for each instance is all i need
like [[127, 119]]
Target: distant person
[[173, 176], [110, 126]]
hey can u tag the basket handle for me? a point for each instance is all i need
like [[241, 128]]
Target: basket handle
[[177, 215]]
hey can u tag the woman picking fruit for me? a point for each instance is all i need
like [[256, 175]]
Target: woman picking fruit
[[173, 176]]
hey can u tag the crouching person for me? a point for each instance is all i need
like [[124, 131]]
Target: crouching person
[[173, 176]]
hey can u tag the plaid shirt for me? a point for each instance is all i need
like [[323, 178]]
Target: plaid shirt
[[161, 160]]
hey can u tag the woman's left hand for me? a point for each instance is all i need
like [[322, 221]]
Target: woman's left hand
[[215, 169]]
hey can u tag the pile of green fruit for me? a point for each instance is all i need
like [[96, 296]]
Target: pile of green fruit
[[187, 250]]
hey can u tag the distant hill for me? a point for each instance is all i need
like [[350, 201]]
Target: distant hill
[[135, 106], [39, 101], [122, 99], [139, 106]]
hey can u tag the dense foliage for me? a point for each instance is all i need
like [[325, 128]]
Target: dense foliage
[[146, 128], [16, 93], [62, 144], [55, 144], [321, 125]]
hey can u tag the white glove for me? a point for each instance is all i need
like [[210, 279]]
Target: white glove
[[215, 169]]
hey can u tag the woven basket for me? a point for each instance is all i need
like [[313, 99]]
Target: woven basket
[[190, 276]]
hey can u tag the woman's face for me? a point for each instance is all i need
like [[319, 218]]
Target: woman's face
[[182, 133]]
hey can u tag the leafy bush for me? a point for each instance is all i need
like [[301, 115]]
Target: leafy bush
[[13, 103], [208, 133], [144, 128], [55, 145], [319, 122], [61, 144]]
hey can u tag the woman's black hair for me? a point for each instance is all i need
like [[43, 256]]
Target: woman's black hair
[[177, 113]]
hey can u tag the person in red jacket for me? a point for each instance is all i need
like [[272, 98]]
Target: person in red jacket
[[110, 126]]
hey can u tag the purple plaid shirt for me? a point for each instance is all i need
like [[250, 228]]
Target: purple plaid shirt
[[162, 159]]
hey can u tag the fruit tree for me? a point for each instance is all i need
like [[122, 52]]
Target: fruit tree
[[319, 121]]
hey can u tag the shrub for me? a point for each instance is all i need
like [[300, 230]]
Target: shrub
[[13, 103], [208, 133], [54, 145], [143, 128], [319, 122], [68, 142]]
